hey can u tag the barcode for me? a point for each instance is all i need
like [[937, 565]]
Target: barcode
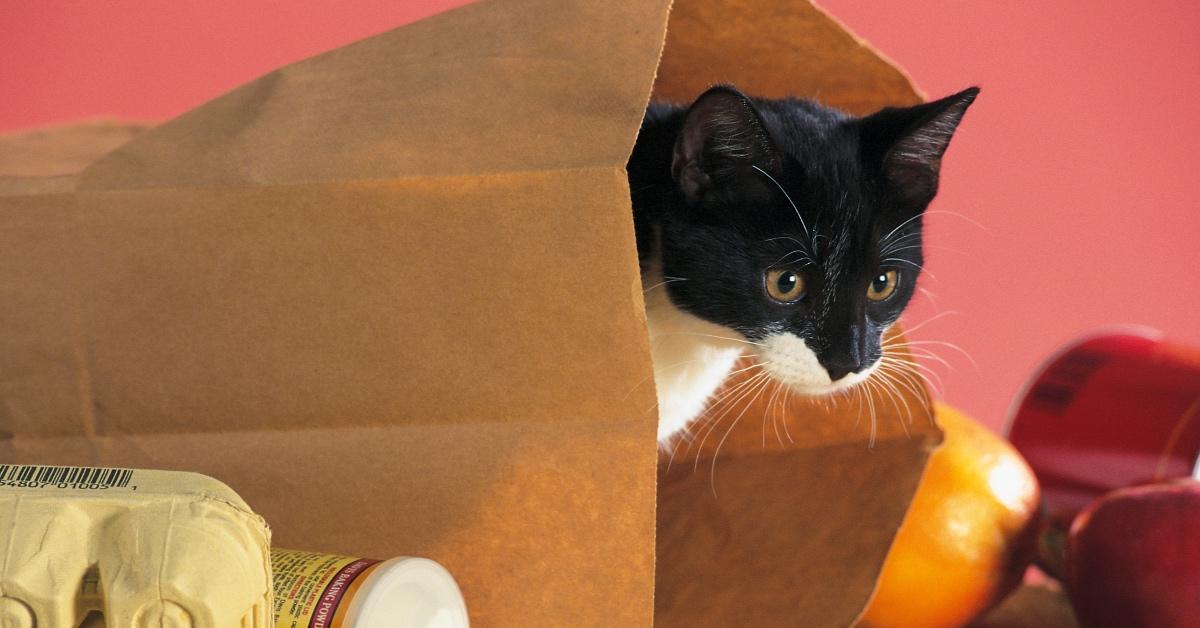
[[64, 477]]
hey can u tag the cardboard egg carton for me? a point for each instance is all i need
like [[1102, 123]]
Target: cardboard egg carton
[[143, 548]]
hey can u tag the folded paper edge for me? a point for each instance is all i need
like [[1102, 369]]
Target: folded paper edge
[[868, 47]]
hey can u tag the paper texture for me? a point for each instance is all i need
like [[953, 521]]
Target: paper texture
[[775, 49], [390, 295], [43, 153]]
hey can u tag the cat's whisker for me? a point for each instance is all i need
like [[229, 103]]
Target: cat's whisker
[[751, 385], [786, 398], [651, 376], [671, 456], [968, 220], [921, 349], [886, 383], [778, 414], [893, 356], [718, 410], [899, 227], [948, 345], [768, 414], [690, 333], [909, 416], [726, 394], [925, 353], [753, 365], [875, 398], [893, 251], [663, 283], [804, 258], [717, 452], [685, 435], [910, 263], [710, 416], [900, 372], [939, 315], [912, 240], [731, 398], [874, 419], [914, 380], [896, 397], [883, 394], [915, 235], [816, 242], [903, 244], [929, 376], [788, 238], [864, 394], [858, 403], [904, 378], [905, 236], [676, 365], [688, 439], [845, 393], [803, 224], [726, 398], [916, 364], [903, 261], [693, 431]]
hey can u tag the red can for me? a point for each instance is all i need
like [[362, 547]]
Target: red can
[[1115, 408]]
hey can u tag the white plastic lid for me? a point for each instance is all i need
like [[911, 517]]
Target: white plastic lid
[[408, 593]]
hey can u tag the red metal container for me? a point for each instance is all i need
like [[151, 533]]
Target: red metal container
[[1115, 408]]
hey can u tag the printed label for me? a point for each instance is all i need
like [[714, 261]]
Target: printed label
[[310, 588], [84, 478], [1057, 387]]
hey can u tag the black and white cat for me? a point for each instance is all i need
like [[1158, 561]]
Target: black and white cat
[[782, 229]]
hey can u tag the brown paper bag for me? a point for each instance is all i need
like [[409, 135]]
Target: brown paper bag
[[390, 295]]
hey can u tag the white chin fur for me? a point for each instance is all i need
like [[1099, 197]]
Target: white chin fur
[[787, 358], [691, 356]]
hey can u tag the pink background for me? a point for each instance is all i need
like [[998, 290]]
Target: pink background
[[1074, 174]]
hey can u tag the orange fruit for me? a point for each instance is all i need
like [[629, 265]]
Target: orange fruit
[[968, 536]]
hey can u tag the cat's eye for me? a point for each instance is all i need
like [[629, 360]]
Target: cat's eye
[[883, 285], [784, 285]]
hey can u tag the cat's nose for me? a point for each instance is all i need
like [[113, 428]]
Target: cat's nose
[[842, 366], [845, 355]]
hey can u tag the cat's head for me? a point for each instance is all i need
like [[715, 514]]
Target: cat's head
[[801, 227]]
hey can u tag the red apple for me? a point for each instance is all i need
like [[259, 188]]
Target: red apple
[[1133, 558]]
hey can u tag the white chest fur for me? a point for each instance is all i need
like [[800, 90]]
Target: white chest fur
[[692, 357]]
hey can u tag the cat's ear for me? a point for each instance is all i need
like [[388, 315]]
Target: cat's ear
[[722, 134], [907, 144]]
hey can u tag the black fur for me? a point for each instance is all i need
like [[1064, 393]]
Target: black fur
[[707, 204]]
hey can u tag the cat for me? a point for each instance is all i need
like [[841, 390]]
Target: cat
[[779, 228]]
